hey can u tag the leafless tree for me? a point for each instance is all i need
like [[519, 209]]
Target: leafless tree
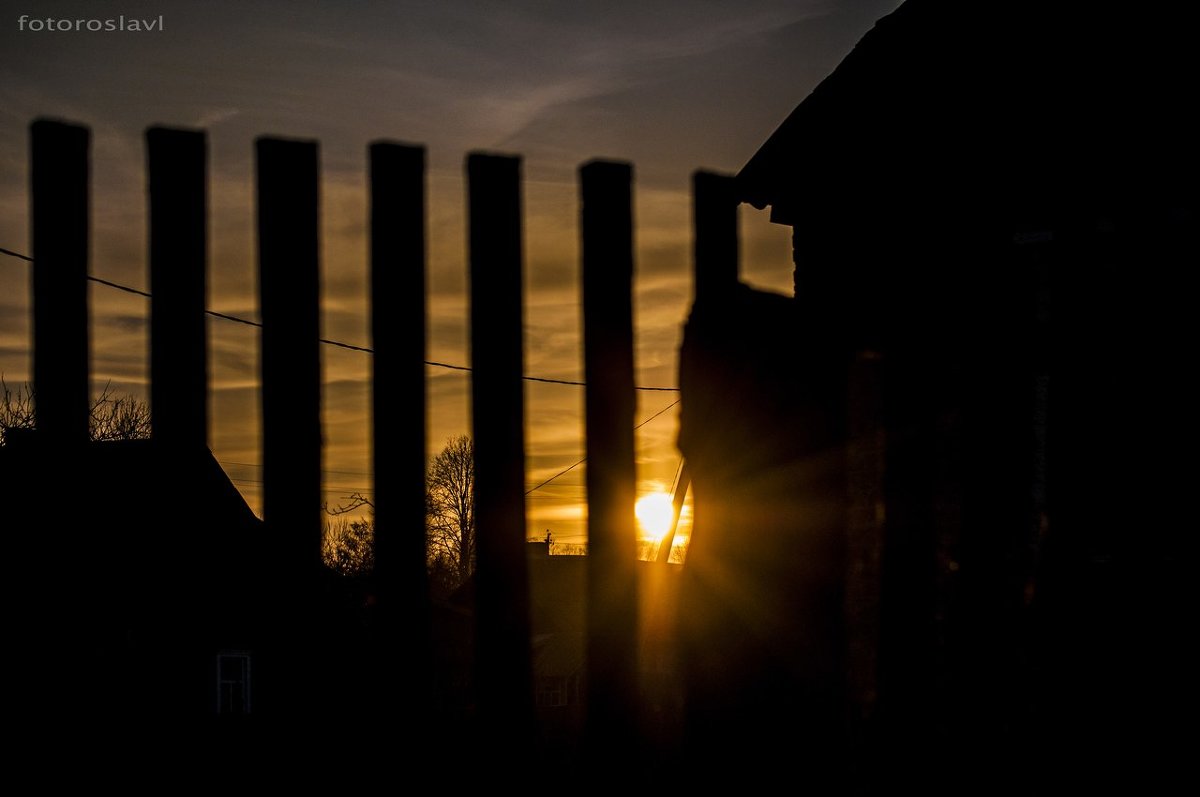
[[110, 417], [16, 409], [119, 417], [348, 547], [348, 544], [450, 541], [449, 528]]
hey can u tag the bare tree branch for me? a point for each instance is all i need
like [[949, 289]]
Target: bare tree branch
[[449, 522], [348, 546], [353, 502], [110, 417], [118, 417], [16, 409], [450, 529]]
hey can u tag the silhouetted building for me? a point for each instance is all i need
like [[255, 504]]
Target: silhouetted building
[[934, 489], [136, 585]]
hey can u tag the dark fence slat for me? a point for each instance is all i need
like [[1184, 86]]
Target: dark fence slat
[[288, 221], [607, 227], [399, 411], [59, 183], [178, 197], [503, 678]]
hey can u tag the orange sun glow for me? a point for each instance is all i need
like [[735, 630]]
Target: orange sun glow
[[655, 514]]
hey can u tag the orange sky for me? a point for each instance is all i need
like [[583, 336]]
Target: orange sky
[[670, 86]]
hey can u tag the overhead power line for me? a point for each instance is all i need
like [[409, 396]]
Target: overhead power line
[[368, 350], [330, 342], [580, 462], [17, 255]]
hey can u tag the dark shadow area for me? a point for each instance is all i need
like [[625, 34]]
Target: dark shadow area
[[936, 497]]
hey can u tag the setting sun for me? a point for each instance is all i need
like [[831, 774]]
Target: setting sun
[[655, 514]]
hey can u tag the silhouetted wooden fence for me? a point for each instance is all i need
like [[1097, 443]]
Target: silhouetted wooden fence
[[288, 212]]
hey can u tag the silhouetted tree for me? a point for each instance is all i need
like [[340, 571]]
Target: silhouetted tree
[[348, 543], [450, 505], [348, 548], [111, 417], [119, 417], [449, 528], [16, 409]]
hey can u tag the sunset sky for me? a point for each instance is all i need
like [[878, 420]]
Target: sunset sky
[[669, 85]]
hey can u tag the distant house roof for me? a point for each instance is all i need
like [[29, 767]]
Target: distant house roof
[[943, 95], [145, 507]]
